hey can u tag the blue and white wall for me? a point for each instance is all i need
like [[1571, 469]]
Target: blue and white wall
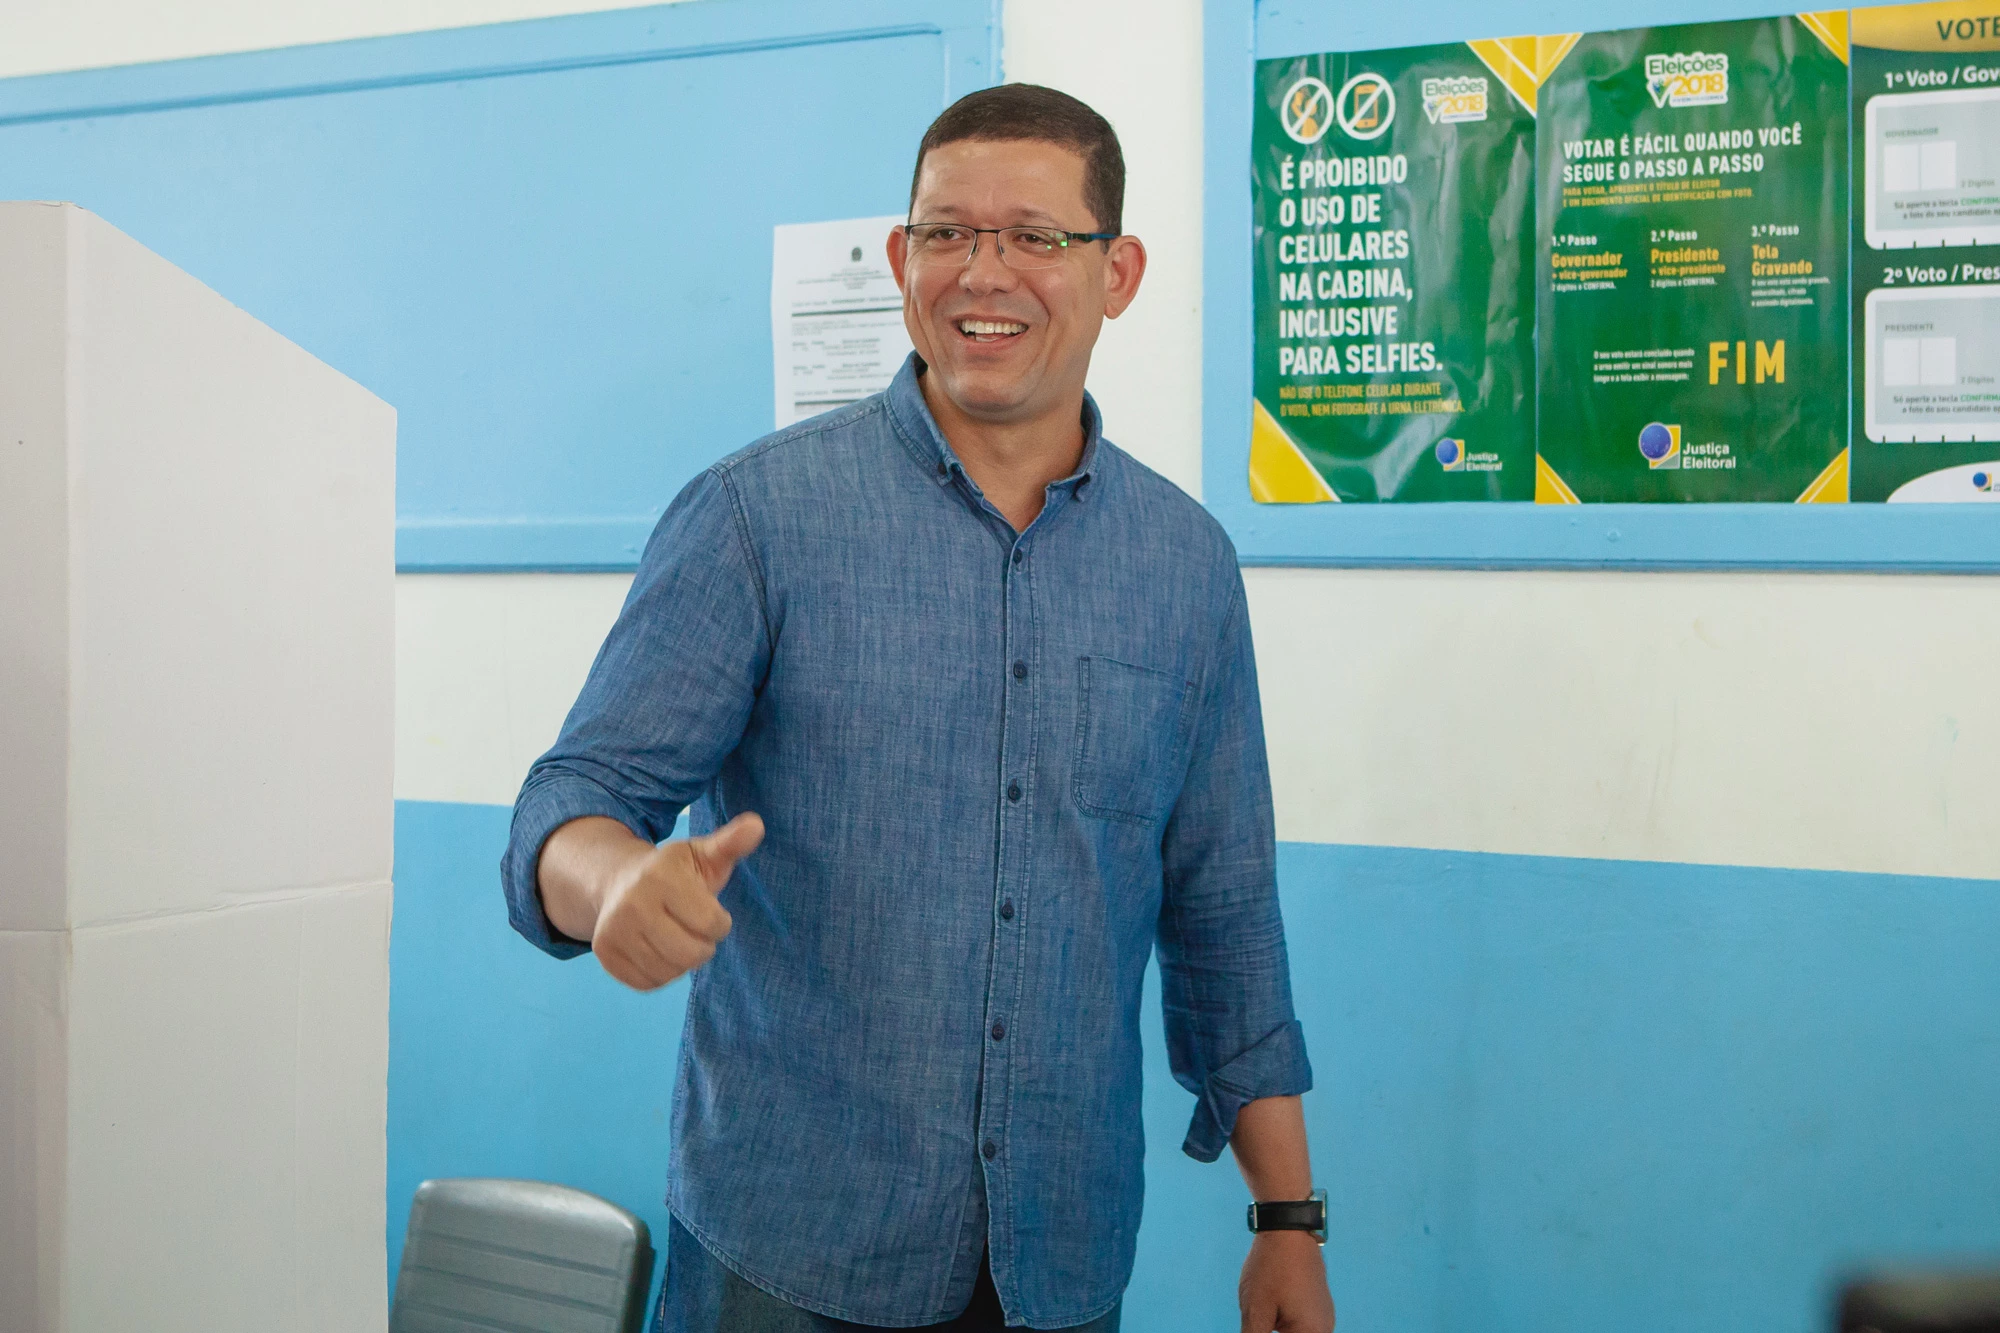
[[1644, 925]]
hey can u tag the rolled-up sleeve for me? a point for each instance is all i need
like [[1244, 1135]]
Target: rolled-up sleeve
[[1226, 986], [665, 703]]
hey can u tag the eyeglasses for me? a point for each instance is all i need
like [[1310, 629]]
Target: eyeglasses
[[1019, 247]]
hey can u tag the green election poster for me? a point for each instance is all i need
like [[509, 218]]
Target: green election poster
[[1926, 342], [1394, 248], [1693, 253]]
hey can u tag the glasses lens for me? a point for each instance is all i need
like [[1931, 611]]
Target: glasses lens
[[941, 242], [1031, 247]]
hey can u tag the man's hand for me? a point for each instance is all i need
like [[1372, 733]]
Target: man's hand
[[1283, 1287], [651, 914]]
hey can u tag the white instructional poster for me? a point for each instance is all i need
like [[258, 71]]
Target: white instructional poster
[[836, 317]]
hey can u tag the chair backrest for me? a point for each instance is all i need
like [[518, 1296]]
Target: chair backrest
[[513, 1255], [1962, 1302]]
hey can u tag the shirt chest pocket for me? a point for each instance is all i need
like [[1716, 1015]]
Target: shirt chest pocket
[[1129, 721]]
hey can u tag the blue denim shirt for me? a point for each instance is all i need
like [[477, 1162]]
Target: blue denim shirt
[[995, 770]]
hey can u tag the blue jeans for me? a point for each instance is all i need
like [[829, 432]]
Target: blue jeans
[[702, 1295]]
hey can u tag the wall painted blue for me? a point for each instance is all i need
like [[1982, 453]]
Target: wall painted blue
[[1553, 1094], [547, 244], [1239, 32], [502, 1061]]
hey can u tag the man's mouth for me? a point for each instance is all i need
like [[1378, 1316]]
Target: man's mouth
[[990, 330]]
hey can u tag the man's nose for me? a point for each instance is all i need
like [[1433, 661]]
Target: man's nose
[[985, 271]]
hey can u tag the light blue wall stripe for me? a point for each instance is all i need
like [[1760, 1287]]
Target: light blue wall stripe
[[1552, 1094], [1936, 538]]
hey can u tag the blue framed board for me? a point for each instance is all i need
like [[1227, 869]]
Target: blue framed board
[[546, 243], [1908, 538]]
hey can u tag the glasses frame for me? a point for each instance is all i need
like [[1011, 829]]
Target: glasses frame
[[1067, 238]]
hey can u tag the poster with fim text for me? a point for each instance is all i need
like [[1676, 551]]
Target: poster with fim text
[[1926, 238], [1693, 258], [1394, 246]]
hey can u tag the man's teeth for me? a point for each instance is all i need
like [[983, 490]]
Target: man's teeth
[[977, 326]]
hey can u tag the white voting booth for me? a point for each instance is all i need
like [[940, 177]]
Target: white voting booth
[[196, 656]]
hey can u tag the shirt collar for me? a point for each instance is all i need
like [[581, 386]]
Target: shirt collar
[[920, 432]]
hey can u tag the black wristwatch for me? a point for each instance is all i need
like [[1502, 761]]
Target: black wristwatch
[[1308, 1215]]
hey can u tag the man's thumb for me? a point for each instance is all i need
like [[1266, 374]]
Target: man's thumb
[[717, 853]]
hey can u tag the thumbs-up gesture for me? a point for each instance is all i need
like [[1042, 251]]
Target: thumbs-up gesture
[[660, 916]]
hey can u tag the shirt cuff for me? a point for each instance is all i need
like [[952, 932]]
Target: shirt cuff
[[545, 806], [1276, 1066]]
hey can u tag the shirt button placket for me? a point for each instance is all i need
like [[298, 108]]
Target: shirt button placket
[[1016, 746]]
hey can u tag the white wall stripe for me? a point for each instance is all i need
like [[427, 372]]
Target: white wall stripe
[[1839, 722], [487, 666], [46, 36]]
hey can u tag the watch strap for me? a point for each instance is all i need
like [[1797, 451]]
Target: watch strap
[[1292, 1215]]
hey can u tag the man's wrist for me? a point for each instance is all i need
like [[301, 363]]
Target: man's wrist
[[581, 863], [1284, 1239]]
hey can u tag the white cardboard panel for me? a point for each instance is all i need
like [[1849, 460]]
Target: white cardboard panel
[[342, 1110], [34, 573], [1837, 722], [34, 1070], [184, 1057], [226, 1066], [232, 551], [196, 533]]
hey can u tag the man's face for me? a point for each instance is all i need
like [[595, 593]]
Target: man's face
[[1007, 344]]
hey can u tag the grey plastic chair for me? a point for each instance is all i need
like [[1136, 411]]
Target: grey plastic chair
[[520, 1256], [1964, 1302]]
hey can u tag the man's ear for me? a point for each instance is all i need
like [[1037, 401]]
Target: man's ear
[[1124, 267], [899, 255]]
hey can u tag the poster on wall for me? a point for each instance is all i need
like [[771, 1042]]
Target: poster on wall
[[1693, 247], [1926, 245], [1394, 243], [837, 331]]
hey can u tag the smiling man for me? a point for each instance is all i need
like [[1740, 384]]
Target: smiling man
[[963, 702]]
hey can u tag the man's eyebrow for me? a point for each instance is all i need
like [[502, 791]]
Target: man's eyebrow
[[1028, 216]]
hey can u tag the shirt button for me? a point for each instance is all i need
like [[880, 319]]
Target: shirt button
[[1013, 791], [1007, 910], [999, 1031], [1018, 557], [943, 471], [991, 1150], [1020, 671]]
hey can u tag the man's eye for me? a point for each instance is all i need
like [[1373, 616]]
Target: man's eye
[[947, 234], [1040, 240]]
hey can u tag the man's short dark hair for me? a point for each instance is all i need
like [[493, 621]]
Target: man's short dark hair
[[1017, 111]]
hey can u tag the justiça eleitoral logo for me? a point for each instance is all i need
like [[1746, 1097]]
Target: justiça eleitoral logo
[[1661, 445], [1451, 454], [1307, 110]]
